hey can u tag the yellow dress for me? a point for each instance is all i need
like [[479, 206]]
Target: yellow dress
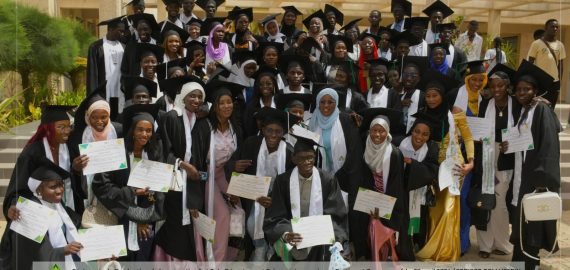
[[443, 222]]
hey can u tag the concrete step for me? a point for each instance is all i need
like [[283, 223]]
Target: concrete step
[[4, 186], [6, 170], [13, 141], [9, 154], [2, 217], [562, 111]]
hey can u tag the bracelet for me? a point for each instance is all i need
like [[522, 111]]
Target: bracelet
[[284, 236]]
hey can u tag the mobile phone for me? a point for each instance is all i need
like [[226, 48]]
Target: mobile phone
[[203, 176]]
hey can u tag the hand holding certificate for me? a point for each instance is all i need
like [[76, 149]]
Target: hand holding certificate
[[155, 175], [34, 219], [249, 186], [448, 178], [206, 227], [479, 127], [315, 230], [102, 243], [367, 200], [104, 156], [518, 140]]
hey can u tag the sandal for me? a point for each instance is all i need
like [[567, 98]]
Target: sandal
[[499, 252], [484, 254]]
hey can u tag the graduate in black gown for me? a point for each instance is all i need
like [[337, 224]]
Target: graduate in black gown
[[288, 27], [111, 190], [96, 55], [265, 88], [264, 155], [538, 169], [45, 187], [379, 95], [382, 171], [176, 129], [146, 33], [243, 38], [49, 143], [305, 179]]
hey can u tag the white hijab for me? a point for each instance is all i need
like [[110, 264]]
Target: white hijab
[[374, 153]]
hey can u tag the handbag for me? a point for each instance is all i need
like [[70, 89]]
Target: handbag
[[430, 196], [237, 222], [477, 200], [111, 265], [541, 206], [97, 215]]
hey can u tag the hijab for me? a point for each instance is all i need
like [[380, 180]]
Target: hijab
[[216, 53], [318, 119], [374, 153], [473, 95], [440, 129], [187, 88], [278, 37], [443, 68], [99, 105]]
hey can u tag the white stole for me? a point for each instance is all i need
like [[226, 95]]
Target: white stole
[[57, 237], [348, 98], [316, 200], [451, 55], [259, 211], [417, 196], [64, 163], [520, 157], [412, 109], [132, 236], [272, 103], [452, 152], [386, 166], [379, 100], [462, 99]]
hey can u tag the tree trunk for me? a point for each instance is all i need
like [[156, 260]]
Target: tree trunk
[[28, 91]]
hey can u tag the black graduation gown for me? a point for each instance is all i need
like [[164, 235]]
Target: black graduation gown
[[417, 175], [541, 168], [75, 139], [95, 66], [357, 102], [172, 133], [249, 121], [278, 216], [30, 159], [459, 57], [400, 217], [350, 172], [18, 252], [393, 100]]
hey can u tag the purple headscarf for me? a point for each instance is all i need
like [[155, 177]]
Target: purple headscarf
[[216, 53]]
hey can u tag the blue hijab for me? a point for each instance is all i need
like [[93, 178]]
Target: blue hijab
[[325, 123], [443, 68]]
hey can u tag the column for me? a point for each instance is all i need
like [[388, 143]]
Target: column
[[108, 9], [161, 13], [494, 23]]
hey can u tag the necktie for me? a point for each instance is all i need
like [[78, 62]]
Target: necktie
[[379, 182]]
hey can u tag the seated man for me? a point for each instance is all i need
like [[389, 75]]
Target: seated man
[[313, 194]]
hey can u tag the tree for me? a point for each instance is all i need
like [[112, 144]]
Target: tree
[[13, 41]]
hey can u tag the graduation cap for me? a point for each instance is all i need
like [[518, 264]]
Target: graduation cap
[[162, 69], [167, 2], [438, 6], [216, 88], [134, 84], [209, 24], [135, 3], [427, 119], [203, 3], [368, 115], [49, 171], [433, 79], [433, 46], [545, 82], [421, 62], [294, 60], [337, 13], [269, 115], [364, 35], [387, 30], [304, 144], [406, 6], [168, 27], [265, 70], [333, 39], [242, 55], [192, 46], [309, 43], [221, 71], [112, 23], [144, 49], [144, 17], [511, 73], [474, 67], [263, 45], [405, 37], [287, 101], [235, 13], [172, 86], [292, 9], [351, 24], [138, 112], [269, 18], [419, 21], [318, 14], [445, 26], [54, 113], [195, 21], [380, 62]]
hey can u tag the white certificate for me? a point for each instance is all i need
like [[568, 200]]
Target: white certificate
[[205, 226], [155, 175], [367, 200], [34, 219], [249, 186], [315, 230], [518, 141], [479, 127], [104, 156], [300, 131], [447, 177], [102, 242]]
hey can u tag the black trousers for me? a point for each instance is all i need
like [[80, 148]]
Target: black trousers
[[519, 256]]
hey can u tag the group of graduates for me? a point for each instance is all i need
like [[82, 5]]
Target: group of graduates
[[387, 108]]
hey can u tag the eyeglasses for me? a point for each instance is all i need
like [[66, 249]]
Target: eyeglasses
[[410, 75], [271, 131], [307, 159]]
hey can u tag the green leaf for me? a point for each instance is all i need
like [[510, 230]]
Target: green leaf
[[55, 267], [294, 220], [332, 241], [123, 166], [211, 241], [236, 174], [505, 131], [387, 216], [21, 200], [123, 252], [531, 146], [164, 189], [39, 238], [362, 189], [82, 231], [84, 146]]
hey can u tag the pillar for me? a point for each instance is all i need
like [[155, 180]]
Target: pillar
[[108, 9], [494, 23], [161, 13]]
